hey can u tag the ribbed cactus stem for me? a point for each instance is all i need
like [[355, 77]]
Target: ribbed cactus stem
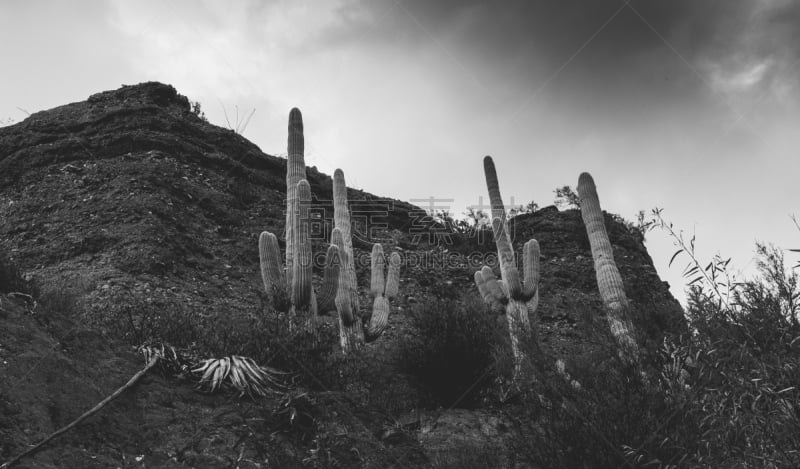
[[302, 267], [393, 277], [341, 220], [351, 332], [382, 290], [326, 300], [505, 254], [609, 281], [492, 184], [509, 295], [490, 289], [530, 265], [377, 280], [269, 255], [295, 172], [342, 300], [380, 318]]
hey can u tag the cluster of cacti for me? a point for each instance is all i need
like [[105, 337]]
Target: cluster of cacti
[[517, 298], [609, 281], [352, 334], [382, 290], [339, 289], [295, 282]]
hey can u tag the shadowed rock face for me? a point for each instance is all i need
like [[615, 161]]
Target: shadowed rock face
[[131, 196]]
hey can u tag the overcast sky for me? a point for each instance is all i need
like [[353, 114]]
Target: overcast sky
[[688, 105]]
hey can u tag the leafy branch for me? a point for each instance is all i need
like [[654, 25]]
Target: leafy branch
[[713, 278], [797, 224]]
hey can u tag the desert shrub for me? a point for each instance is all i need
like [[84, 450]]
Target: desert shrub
[[724, 395], [566, 198], [466, 456], [148, 320], [742, 370], [450, 350], [565, 426], [60, 297]]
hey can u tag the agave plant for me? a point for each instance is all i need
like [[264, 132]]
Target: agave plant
[[241, 373]]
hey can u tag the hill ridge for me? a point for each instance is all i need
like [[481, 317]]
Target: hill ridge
[[144, 210]]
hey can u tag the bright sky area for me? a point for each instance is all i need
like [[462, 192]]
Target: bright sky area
[[688, 105]]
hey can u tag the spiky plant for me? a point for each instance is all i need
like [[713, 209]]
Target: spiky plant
[[294, 283], [339, 289], [383, 289], [518, 299], [242, 374], [609, 280]]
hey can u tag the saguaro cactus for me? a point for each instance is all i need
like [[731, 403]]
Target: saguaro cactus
[[339, 289], [297, 276], [347, 301], [518, 299], [382, 290], [609, 281]]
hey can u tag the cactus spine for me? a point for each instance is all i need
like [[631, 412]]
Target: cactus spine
[[518, 299], [609, 281], [297, 275]]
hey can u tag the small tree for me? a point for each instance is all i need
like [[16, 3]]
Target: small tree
[[566, 198]]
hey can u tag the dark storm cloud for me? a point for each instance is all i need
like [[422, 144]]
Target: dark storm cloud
[[522, 36]]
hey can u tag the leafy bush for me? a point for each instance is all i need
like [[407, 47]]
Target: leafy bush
[[451, 349], [743, 370], [563, 425], [725, 395]]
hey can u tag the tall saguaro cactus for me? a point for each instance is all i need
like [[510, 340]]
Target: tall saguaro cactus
[[295, 283], [519, 299], [339, 290], [295, 172], [352, 334], [609, 280]]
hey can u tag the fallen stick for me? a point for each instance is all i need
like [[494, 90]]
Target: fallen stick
[[83, 417]]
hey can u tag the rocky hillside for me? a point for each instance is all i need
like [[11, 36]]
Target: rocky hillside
[[137, 219]]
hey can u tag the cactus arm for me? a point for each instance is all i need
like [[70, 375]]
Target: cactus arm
[[302, 267], [377, 281], [326, 301], [393, 277], [490, 289], [531, 266], [383, 289], [269, 259], [380, 318]]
